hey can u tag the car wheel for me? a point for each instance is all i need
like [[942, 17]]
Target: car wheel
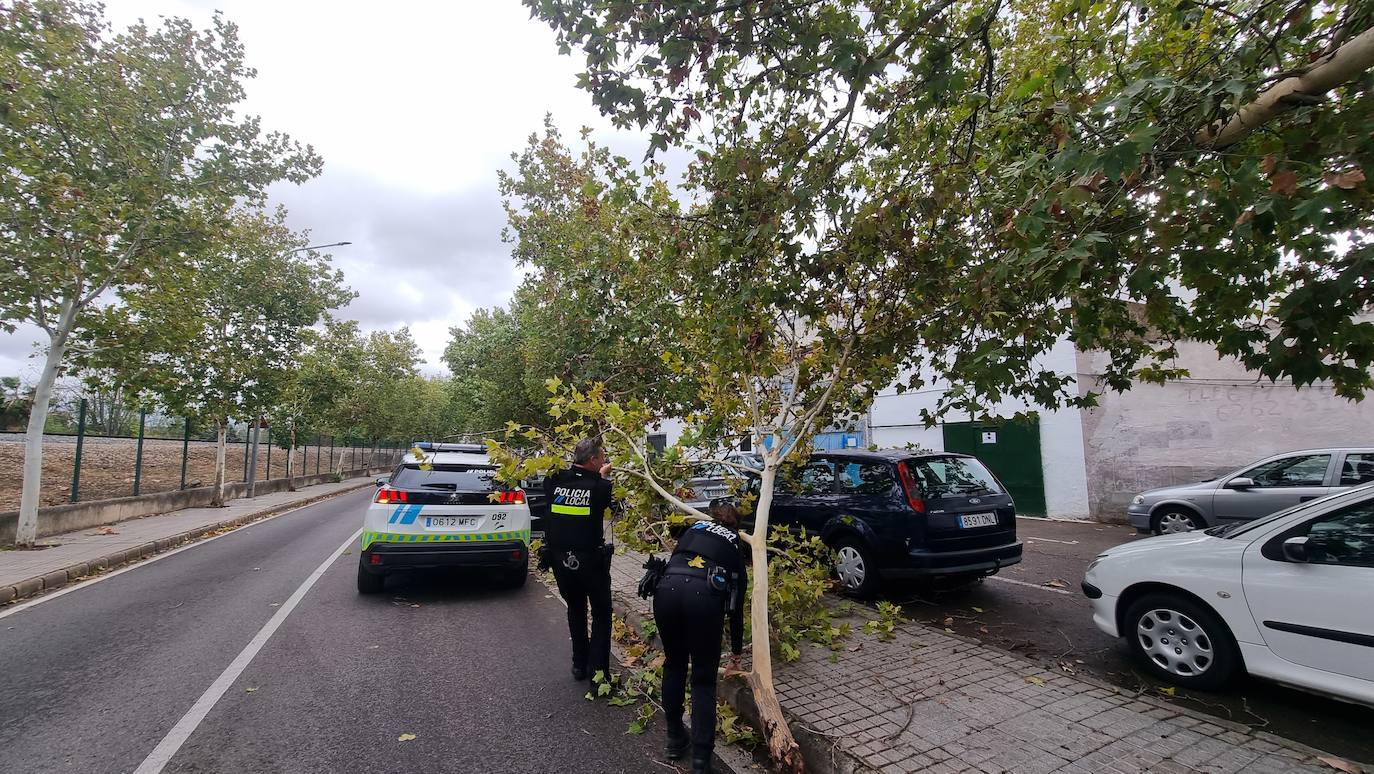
[[369, 582], [855, 568], [514, 579], [1172, 520], [1181, 641]]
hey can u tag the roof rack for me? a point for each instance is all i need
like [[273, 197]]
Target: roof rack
[[470, 448]]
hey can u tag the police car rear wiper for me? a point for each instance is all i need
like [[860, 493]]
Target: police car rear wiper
[[440, 486]]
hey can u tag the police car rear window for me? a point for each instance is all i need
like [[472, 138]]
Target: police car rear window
[[450, 478]]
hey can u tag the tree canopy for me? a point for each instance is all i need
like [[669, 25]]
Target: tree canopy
[[1123, 174]]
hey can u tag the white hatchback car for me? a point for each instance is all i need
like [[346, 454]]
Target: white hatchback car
[[1289, 597], [446, 510]]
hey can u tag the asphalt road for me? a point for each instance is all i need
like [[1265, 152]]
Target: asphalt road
[[94, 680], [1036, 609]]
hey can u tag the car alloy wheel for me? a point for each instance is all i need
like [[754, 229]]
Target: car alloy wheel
[[1175, 643], [1173, 522], [849, 564]]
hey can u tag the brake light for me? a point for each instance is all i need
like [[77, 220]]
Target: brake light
[[913, 496], [512, 497], [387, 495]]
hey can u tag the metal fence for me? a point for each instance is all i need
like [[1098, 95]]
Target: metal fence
[[158, 459]]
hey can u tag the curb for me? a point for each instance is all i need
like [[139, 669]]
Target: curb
[[58, 578]]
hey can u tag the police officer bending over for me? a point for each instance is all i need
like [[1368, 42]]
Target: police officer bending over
[[704, 581], [574, 546]]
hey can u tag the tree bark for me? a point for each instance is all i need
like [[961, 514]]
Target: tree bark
[[290, 457], [1340, 66], [782, 747], [222, 435], [26, 532]]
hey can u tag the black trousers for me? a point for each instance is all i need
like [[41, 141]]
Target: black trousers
[[690, 618], [589, 586]]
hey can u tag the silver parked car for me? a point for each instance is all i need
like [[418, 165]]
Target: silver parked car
[[1272, 484]]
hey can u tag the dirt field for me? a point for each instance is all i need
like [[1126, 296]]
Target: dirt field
[[107, 466]]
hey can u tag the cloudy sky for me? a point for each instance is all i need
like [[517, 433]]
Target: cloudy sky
[[414, 106]]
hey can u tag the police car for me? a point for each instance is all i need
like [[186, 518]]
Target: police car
[[446, 510]]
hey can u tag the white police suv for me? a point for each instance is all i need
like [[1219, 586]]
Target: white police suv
[[446, 510]]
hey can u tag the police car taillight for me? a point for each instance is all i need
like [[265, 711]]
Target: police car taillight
[[387, 495], [513, 497]]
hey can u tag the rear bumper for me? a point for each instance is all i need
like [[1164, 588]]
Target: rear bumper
[[921, 563], [506, 554]]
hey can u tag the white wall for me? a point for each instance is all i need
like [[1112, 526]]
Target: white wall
[[895, 421]]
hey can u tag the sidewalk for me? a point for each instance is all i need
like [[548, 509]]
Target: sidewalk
[[926, 701], [81, 553]]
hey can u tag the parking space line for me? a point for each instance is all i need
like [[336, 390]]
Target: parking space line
[[1051, 589], [172, 742], [1050, 540]]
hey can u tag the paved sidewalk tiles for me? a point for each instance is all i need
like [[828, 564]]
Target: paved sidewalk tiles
[[930, 702], [83, 552]]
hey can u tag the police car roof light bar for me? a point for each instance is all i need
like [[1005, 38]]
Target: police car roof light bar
[[470, 448]]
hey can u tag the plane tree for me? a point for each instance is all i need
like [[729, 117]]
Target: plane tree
[[1121, 174], [113, 147]]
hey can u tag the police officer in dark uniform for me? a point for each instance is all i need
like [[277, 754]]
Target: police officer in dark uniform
[[576, 549], [703, 583]]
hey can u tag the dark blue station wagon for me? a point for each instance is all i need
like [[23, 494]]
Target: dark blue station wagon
[[897, 514]]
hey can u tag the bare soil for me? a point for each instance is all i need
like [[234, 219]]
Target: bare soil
[[107, 466]]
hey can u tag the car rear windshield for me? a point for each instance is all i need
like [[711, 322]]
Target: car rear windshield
[[454, 478], [952, 477]]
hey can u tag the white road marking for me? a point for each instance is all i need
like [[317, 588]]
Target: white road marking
[[65, 590], [1000, 579], [1051, 540], [172, 742]]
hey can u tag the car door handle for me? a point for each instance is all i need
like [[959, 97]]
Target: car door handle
[[1308, 497]]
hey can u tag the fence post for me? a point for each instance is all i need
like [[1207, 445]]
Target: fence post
[[269, 454], [138, 455], [247, 433], [317, 454], [80, 440], [185, 450], [331, 453]]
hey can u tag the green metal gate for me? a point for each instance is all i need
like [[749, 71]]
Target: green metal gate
[[1011, 450]]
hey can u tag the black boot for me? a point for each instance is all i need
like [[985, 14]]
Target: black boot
[[678, 741], [579, 674], [701, 765]]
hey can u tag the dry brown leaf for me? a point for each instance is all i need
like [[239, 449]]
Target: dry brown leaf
[[949, 622], [1284, 183], [979, 610], [1245, 217], [1340, 764], [948, 630], [1345, 180], [983, 630], [1035, 681], [405, 738], [1057, 584], [107, 531], [1268, 163]]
